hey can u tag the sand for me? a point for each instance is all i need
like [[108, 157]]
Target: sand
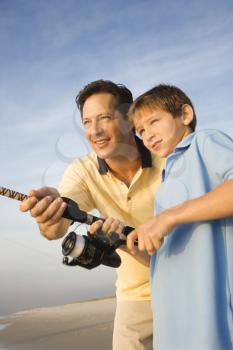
[[82, 326]]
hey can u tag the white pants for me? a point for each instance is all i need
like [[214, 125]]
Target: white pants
[[133, 328]]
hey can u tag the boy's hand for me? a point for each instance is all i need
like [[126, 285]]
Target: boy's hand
[[150, 235], [45, 205]]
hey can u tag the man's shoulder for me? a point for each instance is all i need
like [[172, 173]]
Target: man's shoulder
[[89, 161], [82, 167]]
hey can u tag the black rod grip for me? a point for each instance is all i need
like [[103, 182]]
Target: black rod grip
[[72, 212]]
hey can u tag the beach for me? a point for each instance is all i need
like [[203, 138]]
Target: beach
[[82, 325]]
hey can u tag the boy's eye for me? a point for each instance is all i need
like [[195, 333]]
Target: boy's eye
[[140, 131], [153, 121]]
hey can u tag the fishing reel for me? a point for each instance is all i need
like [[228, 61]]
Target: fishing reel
[[92, 250]]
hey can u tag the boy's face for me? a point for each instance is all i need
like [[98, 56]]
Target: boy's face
[[160, 131]]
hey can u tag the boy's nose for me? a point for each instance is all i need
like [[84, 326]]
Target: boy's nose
[[148, 135]]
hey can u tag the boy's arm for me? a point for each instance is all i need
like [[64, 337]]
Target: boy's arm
[[216, 204]]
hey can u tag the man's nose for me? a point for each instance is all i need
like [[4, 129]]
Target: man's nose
[[96, 129]]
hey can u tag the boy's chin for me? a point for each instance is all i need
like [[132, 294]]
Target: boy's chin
[[160, 153]]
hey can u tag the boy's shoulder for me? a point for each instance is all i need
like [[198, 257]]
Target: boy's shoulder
[[212, 145], [203, 133], [200, 137]]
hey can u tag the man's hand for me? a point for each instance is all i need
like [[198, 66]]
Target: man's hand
[[108, 226], [150, 235], [112, 225], [46, 207]]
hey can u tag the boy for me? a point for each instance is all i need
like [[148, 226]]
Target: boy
[[192, 233]]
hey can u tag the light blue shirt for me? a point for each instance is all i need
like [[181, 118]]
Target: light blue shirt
[[192, 273]]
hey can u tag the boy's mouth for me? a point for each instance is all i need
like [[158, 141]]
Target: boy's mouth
[[156, 144]]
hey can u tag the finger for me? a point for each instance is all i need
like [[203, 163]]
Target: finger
[[43, 192], [116, 226], [141, 243], [93, 228], [51, 210], [41, 206], [157, 242], [28, 204], [149, 246], [106, 228], [56, 217], [130, 241]]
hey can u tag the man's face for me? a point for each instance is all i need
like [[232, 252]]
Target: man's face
[[105, 127], [160, 131]]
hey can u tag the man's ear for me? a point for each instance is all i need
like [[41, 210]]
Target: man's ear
[[128, 126], [187, 114]]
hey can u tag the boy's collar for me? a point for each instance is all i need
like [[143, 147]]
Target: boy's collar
[[185, 143], [144, 153]]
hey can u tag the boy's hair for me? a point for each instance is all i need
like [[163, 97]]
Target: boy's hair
[[167, 97], [123, 95]]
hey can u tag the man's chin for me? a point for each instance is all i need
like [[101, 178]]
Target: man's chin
[[103, 154]]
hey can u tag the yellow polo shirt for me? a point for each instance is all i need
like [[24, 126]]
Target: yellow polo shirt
[[88, 182]]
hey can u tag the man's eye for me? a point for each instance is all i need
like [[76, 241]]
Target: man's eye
[[107, 117], [86, 122]]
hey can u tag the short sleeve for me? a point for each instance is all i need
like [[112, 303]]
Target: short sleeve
[[74, 186], [217, 154]]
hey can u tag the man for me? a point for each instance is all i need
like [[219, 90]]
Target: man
[[119, 179]]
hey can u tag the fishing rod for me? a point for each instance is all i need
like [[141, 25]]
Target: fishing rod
[[72, 211], [87, 251]]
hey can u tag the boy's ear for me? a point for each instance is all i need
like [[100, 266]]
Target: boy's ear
[[187, 114]]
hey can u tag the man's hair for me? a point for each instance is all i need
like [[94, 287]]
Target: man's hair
[[166, 97], [123, 95]]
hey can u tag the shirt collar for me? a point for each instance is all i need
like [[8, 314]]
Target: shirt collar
[[185, 143], [144, 153]]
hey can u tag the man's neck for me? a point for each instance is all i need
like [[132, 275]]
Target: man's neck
[[124, 170], [125, 166]]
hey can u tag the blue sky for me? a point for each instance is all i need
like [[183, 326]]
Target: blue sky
[[49, 51]]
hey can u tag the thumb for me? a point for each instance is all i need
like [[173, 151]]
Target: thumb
[[92, 229], [43, 192], [130, 241]]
